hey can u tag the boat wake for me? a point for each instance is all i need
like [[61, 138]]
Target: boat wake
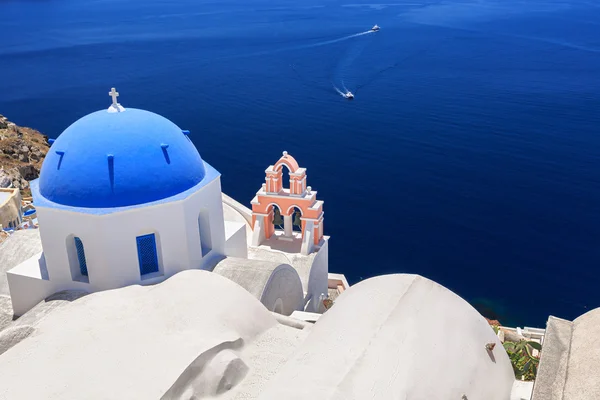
[[326, 42], [400, 63], [344, 91], [307, 46], [343, 75], [345, 64], [341, 93]]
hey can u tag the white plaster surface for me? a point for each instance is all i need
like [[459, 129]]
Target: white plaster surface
[[166, 341], [396, 337], [306, 316], [243, 212], [110, 246], [312, 269], [26, 324], [258, 232], [266, 357], [287, 225], [317, 285], [19, 247], [521, 390], [199, 335], [235, 239], [308, 243], [341, 278], [276, 285]]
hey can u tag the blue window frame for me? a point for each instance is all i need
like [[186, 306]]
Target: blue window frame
[[81, 256], [147, 255]]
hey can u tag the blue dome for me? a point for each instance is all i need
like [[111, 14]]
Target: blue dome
[[119, 159]]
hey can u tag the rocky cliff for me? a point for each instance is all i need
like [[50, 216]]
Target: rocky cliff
[[22, 151]]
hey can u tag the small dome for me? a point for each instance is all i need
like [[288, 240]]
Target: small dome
[[115, 159]]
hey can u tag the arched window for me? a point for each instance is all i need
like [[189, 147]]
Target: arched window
[[81, 256], [296, 221], [147, 254], [285, 177], [277, 218], [205, 232]]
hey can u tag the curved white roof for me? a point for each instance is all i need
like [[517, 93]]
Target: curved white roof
[[396, 337]]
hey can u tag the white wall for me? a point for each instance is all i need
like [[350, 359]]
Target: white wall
[[28, 285], [283, 291], [209, 199], [58, 225], [110, 242], [318, 279], [276, 285], [235, 240], [308, 238], [258, 232]]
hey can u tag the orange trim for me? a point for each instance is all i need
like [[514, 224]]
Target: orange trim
[[289, 162], [285, 201]]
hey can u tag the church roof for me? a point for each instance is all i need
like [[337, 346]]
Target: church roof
[[142, 342], [115, 159]]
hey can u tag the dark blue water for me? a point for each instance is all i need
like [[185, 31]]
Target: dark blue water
[[471, 154]]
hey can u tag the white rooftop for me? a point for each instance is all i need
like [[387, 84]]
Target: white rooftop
[[150, 335]]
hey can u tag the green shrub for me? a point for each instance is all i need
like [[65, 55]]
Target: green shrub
[[524, 363]]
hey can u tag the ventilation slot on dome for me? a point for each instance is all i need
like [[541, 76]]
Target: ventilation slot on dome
[[165, 152], [61, 155], [187, 134], [111, 170]]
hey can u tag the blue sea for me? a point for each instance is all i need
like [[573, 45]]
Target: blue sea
[[470, 155]]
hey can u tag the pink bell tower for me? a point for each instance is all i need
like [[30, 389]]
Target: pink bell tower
[[298, 196]]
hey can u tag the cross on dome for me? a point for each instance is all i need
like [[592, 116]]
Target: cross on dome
[[114, 94], [115, 106]]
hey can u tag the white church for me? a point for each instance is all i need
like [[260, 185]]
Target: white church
[[153, 284], [125, 198]]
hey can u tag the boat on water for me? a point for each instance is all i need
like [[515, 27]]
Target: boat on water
[[349, 95], [375, 28]]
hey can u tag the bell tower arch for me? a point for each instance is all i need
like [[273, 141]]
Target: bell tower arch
[[275, 203]]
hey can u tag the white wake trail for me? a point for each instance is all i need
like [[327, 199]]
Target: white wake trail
[[334, 40], [344, 86], [343, 94], [292, 48]]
